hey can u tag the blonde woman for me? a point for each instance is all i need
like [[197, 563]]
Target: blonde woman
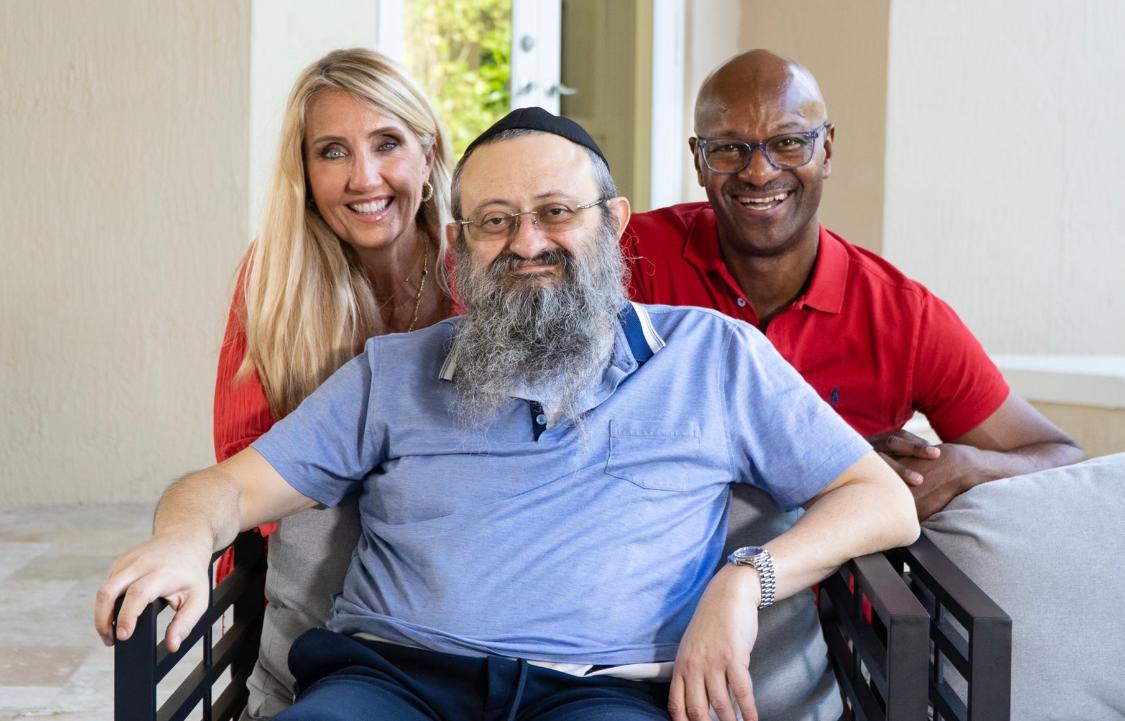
[[351, 246]]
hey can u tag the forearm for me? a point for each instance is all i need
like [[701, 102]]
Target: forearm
[[851, 521], [209, 507], [201, 508], [987, 465], [867, 509], [1016, 439]]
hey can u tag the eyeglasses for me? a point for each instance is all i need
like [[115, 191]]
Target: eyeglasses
[[728, 156], [551, 217]]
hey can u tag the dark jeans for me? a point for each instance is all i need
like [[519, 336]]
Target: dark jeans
[[339, 677]]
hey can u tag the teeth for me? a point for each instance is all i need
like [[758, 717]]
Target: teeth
[[373, 206], [765, 201]]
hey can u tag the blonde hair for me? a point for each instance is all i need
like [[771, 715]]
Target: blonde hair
[[309, 304]]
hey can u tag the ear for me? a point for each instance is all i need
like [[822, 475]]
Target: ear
[[696, 160], [829, 139], [451, 230], [622, 211], [430, 155]]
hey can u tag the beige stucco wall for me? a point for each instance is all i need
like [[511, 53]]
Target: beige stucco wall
[[711, 29], [1006, 166], [133, 134], [1100, 431], [122, 197]]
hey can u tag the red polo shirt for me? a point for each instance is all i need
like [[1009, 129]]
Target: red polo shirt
[[875, 344]]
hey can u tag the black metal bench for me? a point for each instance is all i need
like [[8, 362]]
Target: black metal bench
[[935, 647], [142, 662]]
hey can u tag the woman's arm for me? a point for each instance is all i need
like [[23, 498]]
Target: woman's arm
[[242, 413]]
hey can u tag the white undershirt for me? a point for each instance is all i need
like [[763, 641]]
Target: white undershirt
[[656, 671]]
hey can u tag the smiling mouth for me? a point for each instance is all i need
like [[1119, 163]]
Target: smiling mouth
[[537, 270], [370, 207], [760, 204]]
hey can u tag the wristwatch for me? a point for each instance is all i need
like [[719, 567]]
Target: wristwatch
[[762, 561]]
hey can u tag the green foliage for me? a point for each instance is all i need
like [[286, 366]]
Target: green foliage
[[459, 50]]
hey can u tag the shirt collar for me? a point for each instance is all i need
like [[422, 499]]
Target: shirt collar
[[829, 275], [701, 246], [825, 290], [640, 336]]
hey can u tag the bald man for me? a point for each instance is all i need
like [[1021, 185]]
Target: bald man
[[875, 344]]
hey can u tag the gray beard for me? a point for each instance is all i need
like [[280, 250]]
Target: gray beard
[[551, 342]]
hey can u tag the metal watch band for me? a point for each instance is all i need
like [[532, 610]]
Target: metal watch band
[[762, 562]]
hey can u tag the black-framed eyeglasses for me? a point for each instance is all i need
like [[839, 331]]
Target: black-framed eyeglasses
[[728, 156], [500, 224]]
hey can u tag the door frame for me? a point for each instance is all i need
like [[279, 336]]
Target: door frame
[[666, 115]]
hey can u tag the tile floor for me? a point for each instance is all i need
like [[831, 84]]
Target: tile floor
[[52, 560]]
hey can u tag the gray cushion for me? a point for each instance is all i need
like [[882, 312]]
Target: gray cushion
[[310, 552], [789, 664], [308, 557], [1049, 548]]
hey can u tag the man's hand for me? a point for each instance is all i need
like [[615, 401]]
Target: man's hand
[[712, 663], [902, 445], [197, 514], [170, 567], [946, 477]]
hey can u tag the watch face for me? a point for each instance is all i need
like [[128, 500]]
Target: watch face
[[746, 553]]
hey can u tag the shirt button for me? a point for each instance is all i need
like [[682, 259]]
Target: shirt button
[[741, 302], [541, 419]]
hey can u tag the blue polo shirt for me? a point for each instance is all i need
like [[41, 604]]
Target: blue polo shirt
[[579, 543]]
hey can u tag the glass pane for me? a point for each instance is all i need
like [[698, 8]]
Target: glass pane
[[459, 51]]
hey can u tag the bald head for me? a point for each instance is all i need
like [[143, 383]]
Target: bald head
[[757, 79], [766, 117]]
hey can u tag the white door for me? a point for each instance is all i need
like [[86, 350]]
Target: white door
[[537, 54]]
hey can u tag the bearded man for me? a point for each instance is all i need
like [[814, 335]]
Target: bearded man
[[543, 483]]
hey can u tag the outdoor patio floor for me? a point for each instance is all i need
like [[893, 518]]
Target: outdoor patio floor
[[52, 560]]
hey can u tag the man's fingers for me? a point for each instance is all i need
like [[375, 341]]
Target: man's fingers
[[104, 602], [742, 692], [909, 475], [905, 443], [719, 697], [188, 614], [136, 598], [676, 708], [695, 698], [120, 578]]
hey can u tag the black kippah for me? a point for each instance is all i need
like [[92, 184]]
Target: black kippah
[[535, 118]]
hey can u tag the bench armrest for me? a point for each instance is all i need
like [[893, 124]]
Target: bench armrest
[[878, 650], [142, 662], [971, 652], [910, 635]]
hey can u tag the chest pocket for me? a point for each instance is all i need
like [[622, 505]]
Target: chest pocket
[[654, 454]]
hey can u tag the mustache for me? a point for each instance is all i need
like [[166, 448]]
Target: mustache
[[773, 185], [508, 261]]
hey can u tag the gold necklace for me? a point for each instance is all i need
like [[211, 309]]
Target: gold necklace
[[421, 285]]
